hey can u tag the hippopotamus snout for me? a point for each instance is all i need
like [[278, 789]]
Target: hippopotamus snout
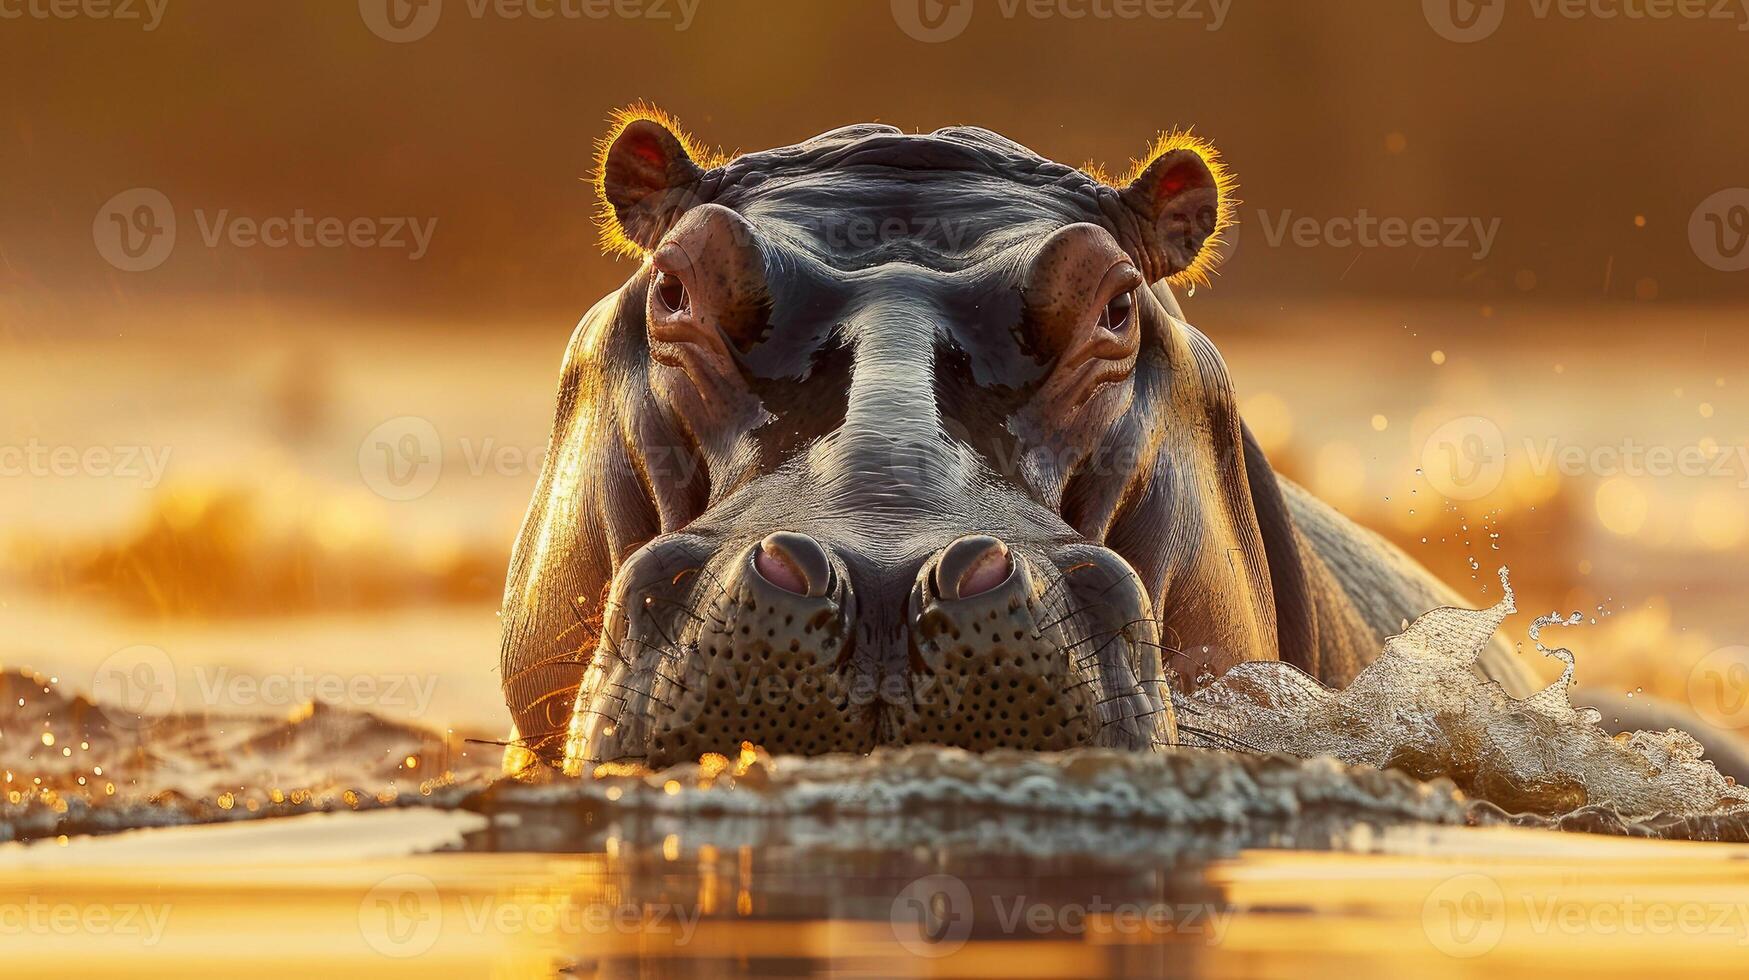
[[804, 647], [1022, 648]]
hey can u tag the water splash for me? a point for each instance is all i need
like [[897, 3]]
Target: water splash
[[69, 765], [1424, 707]]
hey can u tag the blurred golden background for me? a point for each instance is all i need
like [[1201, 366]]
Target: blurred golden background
[[284, 288]]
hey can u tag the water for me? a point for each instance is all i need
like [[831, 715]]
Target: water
[[1422, 708], [553, 888], [1275, 750], [1309, 833]]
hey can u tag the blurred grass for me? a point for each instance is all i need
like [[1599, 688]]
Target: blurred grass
[[217, 551]]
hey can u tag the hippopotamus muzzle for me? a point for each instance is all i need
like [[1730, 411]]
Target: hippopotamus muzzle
[[890, 439], [812, 643]]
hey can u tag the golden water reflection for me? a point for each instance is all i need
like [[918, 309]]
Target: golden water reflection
[[1421, 902]]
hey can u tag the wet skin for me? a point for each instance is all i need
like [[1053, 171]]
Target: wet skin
[[902, 438]]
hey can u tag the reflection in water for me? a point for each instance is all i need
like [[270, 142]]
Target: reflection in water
[[560, 891]]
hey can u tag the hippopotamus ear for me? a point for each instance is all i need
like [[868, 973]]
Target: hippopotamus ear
[[647, 179], [1183, 198]]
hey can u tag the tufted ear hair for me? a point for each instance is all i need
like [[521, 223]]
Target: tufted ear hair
[[1183, 199], [647, 179]]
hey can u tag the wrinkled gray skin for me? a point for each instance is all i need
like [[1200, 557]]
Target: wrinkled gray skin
[[878, 343]]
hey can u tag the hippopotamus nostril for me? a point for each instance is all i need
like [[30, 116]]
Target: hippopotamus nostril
[[794, 563], [972, 566]]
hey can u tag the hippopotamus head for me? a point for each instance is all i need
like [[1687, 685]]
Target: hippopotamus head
[[889, 438]]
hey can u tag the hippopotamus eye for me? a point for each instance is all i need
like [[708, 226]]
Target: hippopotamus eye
[[670, 292], [1117, 312]]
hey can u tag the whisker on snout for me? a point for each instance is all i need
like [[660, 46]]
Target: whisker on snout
[[562, 660], [1167, 649], [1120, 629], [525, 741], [656, 600], [1062, 578], [628, 692], [1218, 741], [722, 590], [566, 692]]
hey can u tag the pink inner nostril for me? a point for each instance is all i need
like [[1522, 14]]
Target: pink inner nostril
[[990, 570], [777, 569]]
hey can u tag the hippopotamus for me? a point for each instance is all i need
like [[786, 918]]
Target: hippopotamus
[[901, 438]]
